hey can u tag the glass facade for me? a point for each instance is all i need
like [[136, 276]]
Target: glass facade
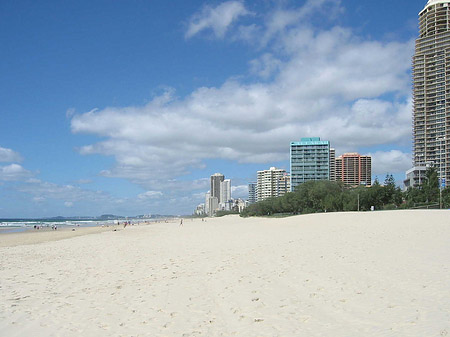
[[309, 160]]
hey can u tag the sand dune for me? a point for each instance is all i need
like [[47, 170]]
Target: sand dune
[[335, 274]]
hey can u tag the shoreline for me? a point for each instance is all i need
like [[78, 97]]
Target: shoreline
[[32, 236], [11, 236]]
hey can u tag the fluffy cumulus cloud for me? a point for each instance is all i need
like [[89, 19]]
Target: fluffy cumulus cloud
[[390, 161], [240, 191], [309, 82], [9, 156], [14, 172], [218, 19]]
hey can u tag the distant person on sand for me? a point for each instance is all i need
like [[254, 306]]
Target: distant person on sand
[[181, 223]]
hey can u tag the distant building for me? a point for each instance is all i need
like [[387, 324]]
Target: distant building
[[200, 210], [238, 205], [225, 191], [213, 205], [227, 206], [309, 160], [283, 184], [415, 176], [354, 169], [267, 183], [252, 193], [217, 190], [207, 196], [225, 195], [332, 164], [216, 179], [219, 197]]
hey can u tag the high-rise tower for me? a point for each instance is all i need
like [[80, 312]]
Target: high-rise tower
[[252, 193], [267, 183], [310, 160], [431, 88], [354, 170], [216, 179], [225, 190]]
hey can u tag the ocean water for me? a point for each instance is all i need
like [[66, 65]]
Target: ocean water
[[16, 226]]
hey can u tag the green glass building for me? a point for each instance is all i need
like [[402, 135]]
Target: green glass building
[[309, 160]]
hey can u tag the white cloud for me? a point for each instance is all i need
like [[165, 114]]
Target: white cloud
[[218, 19], [326, 83], [91, 202], [39, 199], [200, 196], [150, 195], [278, 22], [240, 191], [83, 181], [13, 172], [265, 66], [42, 190], [70, 112], [388, 162], [8, 155]]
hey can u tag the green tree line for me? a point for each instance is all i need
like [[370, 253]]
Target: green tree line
[[331, 196]]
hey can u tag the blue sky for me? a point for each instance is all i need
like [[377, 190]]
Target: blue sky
[[127, 107]]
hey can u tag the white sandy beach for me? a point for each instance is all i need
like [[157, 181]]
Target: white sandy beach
[[334, 274]]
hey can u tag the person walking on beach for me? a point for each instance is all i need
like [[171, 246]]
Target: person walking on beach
[[181, 223]]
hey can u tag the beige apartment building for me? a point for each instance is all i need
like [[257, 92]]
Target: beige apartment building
[[284, 184], [268, 182]]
